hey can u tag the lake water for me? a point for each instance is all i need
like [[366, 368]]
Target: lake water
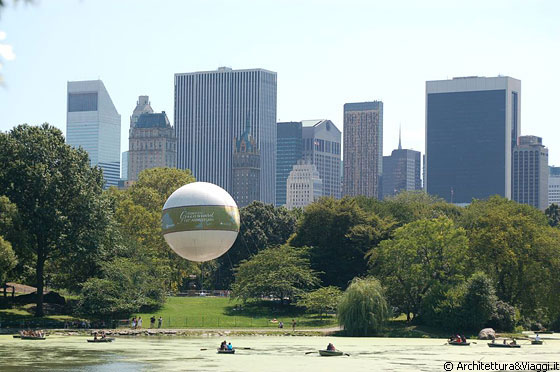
[[267, 353]]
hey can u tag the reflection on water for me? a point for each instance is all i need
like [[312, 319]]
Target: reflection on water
[[59, 353]]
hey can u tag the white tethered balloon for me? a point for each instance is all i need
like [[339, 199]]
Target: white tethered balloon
[[200, 221]]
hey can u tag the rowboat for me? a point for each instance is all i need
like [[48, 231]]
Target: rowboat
[[504, 345], [536, 342], [457, 343], [220, 351], [106, 339], [17, 336], [330, 353], [32, 338]]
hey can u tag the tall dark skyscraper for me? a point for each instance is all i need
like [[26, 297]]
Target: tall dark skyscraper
[[472, 125], [363, 148], [401, 171], [211, 109], [288, 152], [530, 172]]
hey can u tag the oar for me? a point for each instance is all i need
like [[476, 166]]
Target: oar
[[346, 354], [203, 349], [310, 352]]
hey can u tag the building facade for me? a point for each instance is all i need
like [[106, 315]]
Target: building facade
[[401, 172], [303, 185], [93, 123], [363, 148], [321, 146], [246, 169], [124, 166], [211, 109], [530, 172], [143, 106], [289, 140], [554, 185], [151, 144], [472, 125]]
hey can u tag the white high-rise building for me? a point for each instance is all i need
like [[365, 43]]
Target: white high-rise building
[[93, 123], [303, 185], [212, 109]]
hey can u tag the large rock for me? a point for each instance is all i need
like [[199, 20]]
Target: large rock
[[487, 334]]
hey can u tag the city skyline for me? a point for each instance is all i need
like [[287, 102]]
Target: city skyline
[[509, 38]]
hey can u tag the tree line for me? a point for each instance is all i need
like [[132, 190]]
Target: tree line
[[494, 262]]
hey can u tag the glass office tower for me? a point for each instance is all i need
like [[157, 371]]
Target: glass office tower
[[472, 125], [93, 123], [288, 152]]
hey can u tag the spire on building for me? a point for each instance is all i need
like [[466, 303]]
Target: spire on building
[[400, 147]]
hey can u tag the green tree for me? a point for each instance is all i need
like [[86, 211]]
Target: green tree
[[363, 309], [262, 225], [468, 305], [282, 272], [8, 260], [514, 245], [58, 196], [422, 254], [321, 301], [553, 215], [138, 216], [339, 233]]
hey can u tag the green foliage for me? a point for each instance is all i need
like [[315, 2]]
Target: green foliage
[[553, 215], [339, 233], [504, 317], [262, 225], [321, 301], [409, 206], [58, 197], [421, 255], [467, 306], [138, 218], [282, 272], [363, 309], [128, 284], [513, 244], [8, 260]]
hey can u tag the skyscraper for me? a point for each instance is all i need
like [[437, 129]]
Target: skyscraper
[[401, 171], [321, 146], [93, 123], [152, 143], [246, 168], [554, 185], [303, 185], [124, 166], [211, 109], [363, 148], [530, 172], [288, 152], [472, 124]]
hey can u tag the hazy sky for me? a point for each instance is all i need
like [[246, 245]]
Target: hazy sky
[[325, 52]]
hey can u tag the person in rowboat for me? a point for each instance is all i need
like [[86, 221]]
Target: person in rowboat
[[330, 347], [223, 345], [229, 346], [537, 338]]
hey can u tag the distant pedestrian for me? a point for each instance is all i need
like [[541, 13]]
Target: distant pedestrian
[[152, 321], [140, 322], [294, 324], [159, 321], [281, 324], [134, 322]]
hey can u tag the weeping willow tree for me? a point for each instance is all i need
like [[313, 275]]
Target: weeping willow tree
[[363, 310]]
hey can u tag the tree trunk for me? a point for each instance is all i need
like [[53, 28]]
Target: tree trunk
[[40, 274]]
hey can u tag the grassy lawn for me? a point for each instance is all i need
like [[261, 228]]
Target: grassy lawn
[[220, 312]]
